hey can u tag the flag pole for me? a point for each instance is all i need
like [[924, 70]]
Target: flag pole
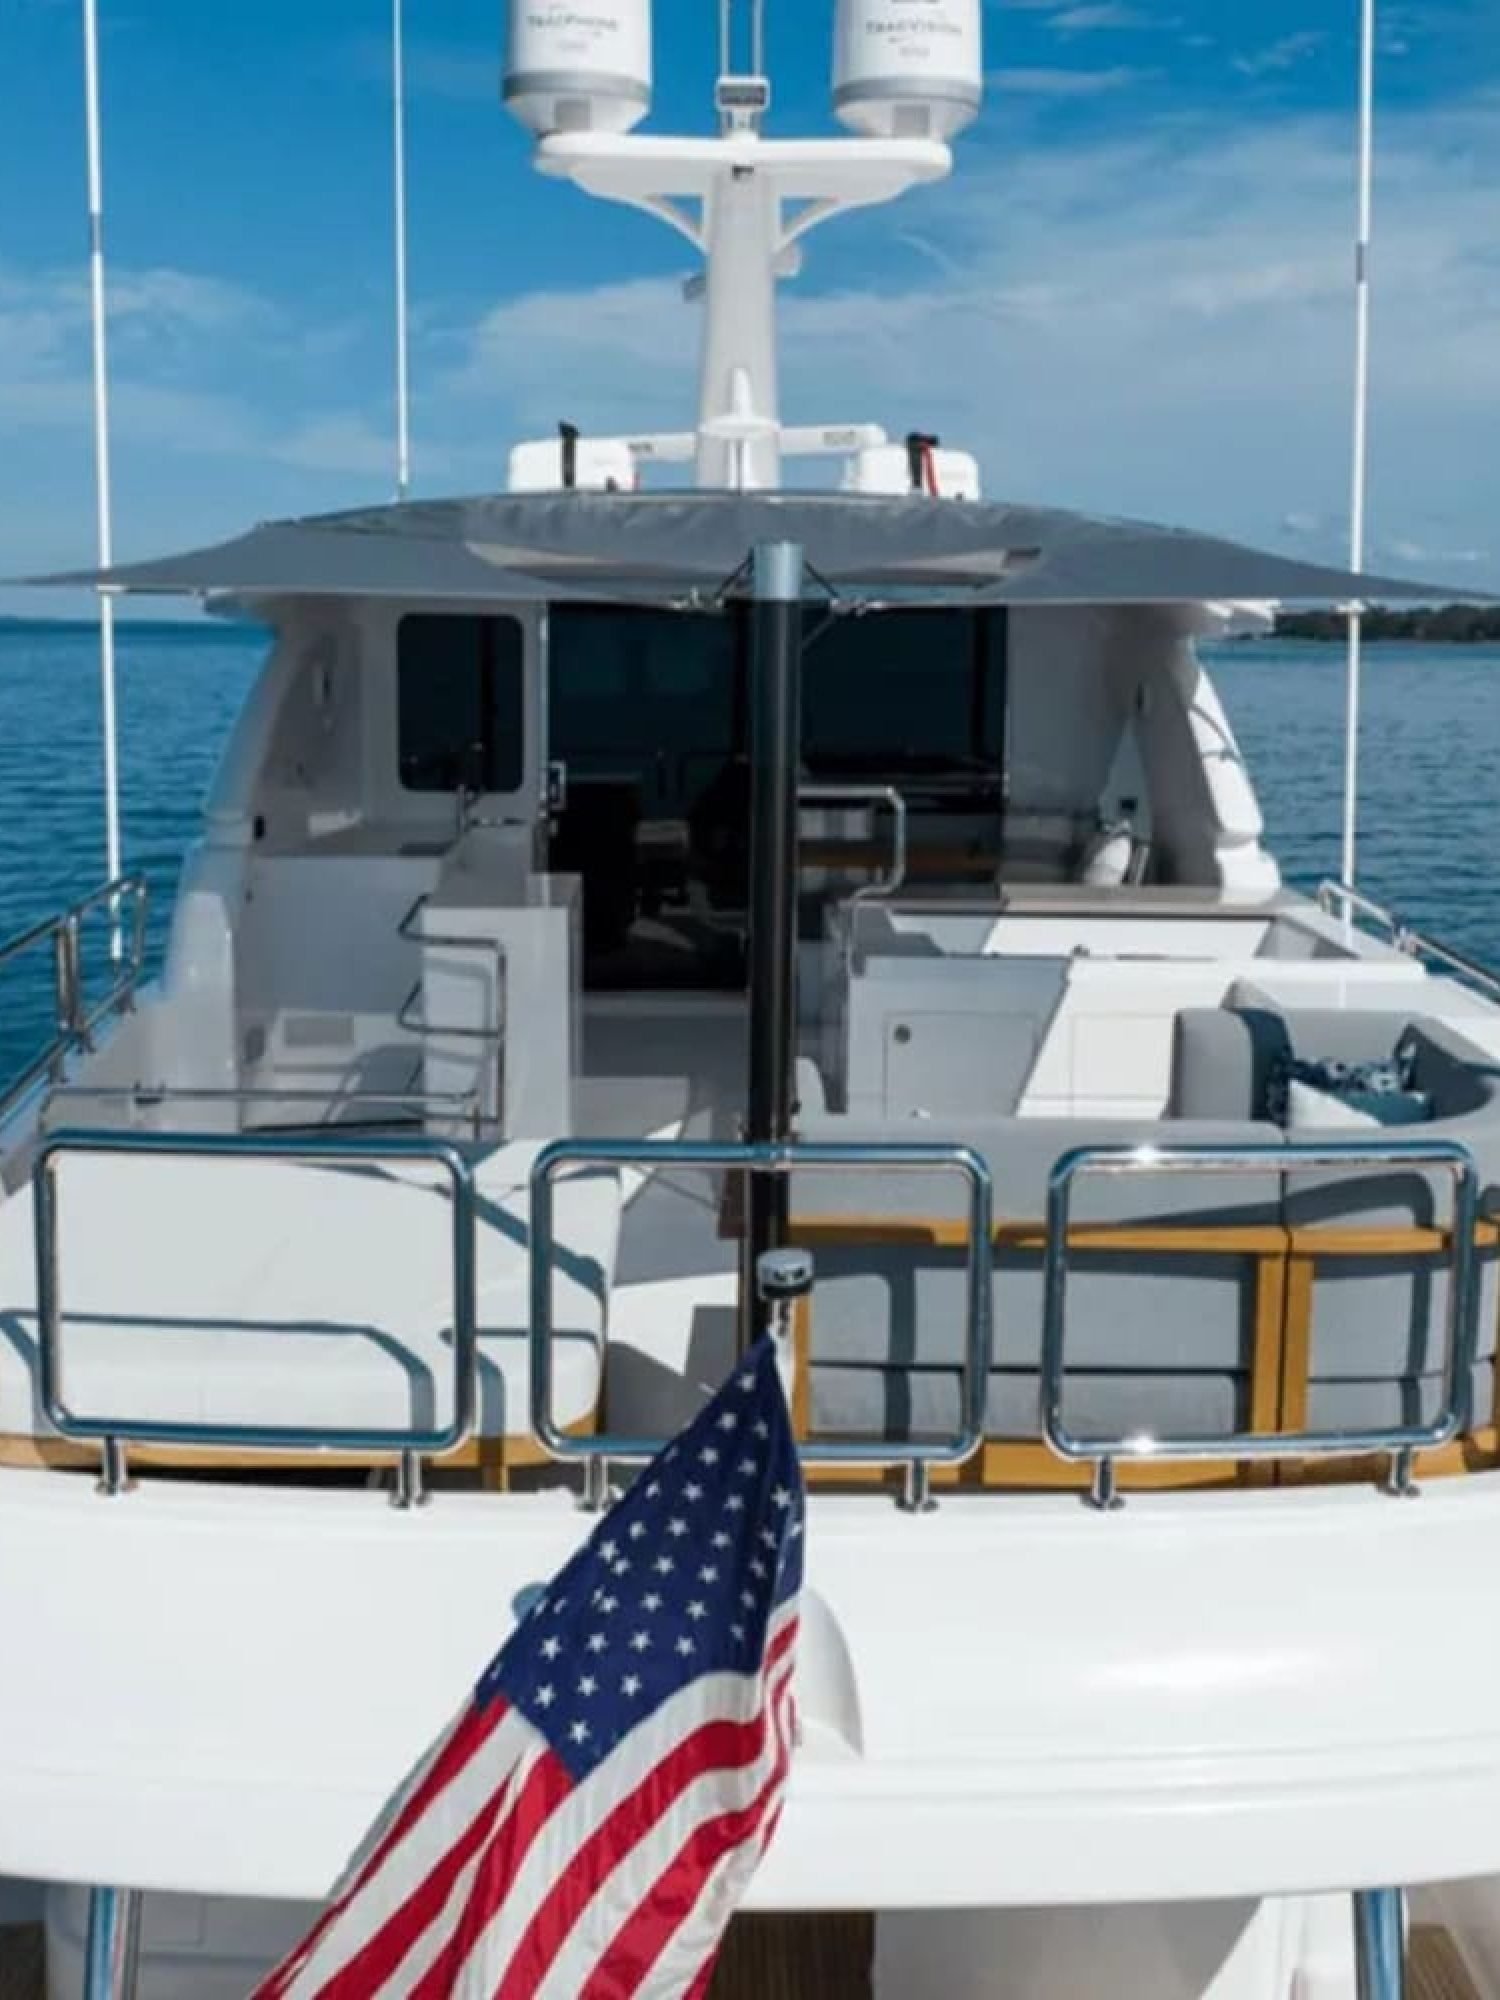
[[776, 570], [403, 342], [102, 474], [1359, 479]]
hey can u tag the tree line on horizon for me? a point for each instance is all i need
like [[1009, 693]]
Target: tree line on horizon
[[1452, 624]]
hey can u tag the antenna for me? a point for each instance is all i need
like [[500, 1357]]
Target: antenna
[[729, 12], [403, 339], [102, 476], [1359, 476]]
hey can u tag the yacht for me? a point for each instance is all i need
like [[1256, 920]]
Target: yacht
[[632, 915]]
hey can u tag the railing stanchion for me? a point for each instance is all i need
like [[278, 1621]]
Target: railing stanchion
[[113, 1951], [410, 1492], [114, 1469], [1380, 1944]]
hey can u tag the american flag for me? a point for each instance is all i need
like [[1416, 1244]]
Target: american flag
[[590, 1820]]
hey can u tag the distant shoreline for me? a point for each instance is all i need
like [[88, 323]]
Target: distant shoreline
[[1424, 624], [1431, 624]]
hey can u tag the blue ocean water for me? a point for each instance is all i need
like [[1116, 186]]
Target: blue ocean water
[[1431, 773]]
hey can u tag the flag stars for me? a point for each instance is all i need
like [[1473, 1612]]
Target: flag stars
[[723, 1540], [545, 1697], [640, 1642], [551, 1648], [709, 1573], [607, 1604], [677, 1527], [664, 1565], [729, 1421], [744, 1383], [747, 1598], [692, 1491], [697, 1610], [608, 1551], [685, 1646], [762, 1429], [597, 1642], [651, 1601], [748, 1467], [709, 1455], [580, 1733], [631, 1685], [587, 1686], [781, 1499], [736, 1503], [769, 1539], [758, 1568], [637, 1530], [622, 1567]]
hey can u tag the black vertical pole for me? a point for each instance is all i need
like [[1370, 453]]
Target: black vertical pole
[[775, 760]]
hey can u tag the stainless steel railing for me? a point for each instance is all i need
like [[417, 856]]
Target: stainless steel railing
[[915, 1457], [875, 798], [1338, 899], [412, 1017], [464, 1106], [1400, 1443], [112, 1432], [77, 1017]]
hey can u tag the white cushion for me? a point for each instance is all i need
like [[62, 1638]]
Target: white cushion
[[1308, 1108]]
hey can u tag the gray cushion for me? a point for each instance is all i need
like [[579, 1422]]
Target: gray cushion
[[903, 1403]]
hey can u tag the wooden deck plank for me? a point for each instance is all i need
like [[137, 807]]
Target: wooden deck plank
[[1435, 1971], [797, 1958]]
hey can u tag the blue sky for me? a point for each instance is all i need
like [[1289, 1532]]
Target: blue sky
[[1132, 296]]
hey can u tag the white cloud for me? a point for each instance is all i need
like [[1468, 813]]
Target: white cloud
[[1281, 55], [1055, 82], [1158, 324]]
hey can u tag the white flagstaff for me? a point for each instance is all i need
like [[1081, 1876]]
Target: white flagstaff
[[101, 436], [1360, 469], [403, 338]]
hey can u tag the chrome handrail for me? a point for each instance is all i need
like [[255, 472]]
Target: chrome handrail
[[1337, 898], [1334, 897], [1400, 1443], [916, 1457], [489, 947], [1419, 945], [875, 797], [411, 1022], [75, 1020], [463, 1104], [113, 1433]]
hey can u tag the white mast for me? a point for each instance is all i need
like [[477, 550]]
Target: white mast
[[1360, 469], [102, 478], [403, 346]]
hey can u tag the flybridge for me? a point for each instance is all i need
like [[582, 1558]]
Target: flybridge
[[906, 79]]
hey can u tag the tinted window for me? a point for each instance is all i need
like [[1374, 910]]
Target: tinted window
[[649, 694], [461, 700], [905, 690]]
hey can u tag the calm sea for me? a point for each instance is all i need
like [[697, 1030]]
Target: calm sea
[[1431, 774]]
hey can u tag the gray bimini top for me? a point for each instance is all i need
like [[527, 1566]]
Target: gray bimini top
[[690, 547]]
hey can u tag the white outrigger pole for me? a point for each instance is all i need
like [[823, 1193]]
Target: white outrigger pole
[[102, 477], [1359, 482], [403, 335]]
